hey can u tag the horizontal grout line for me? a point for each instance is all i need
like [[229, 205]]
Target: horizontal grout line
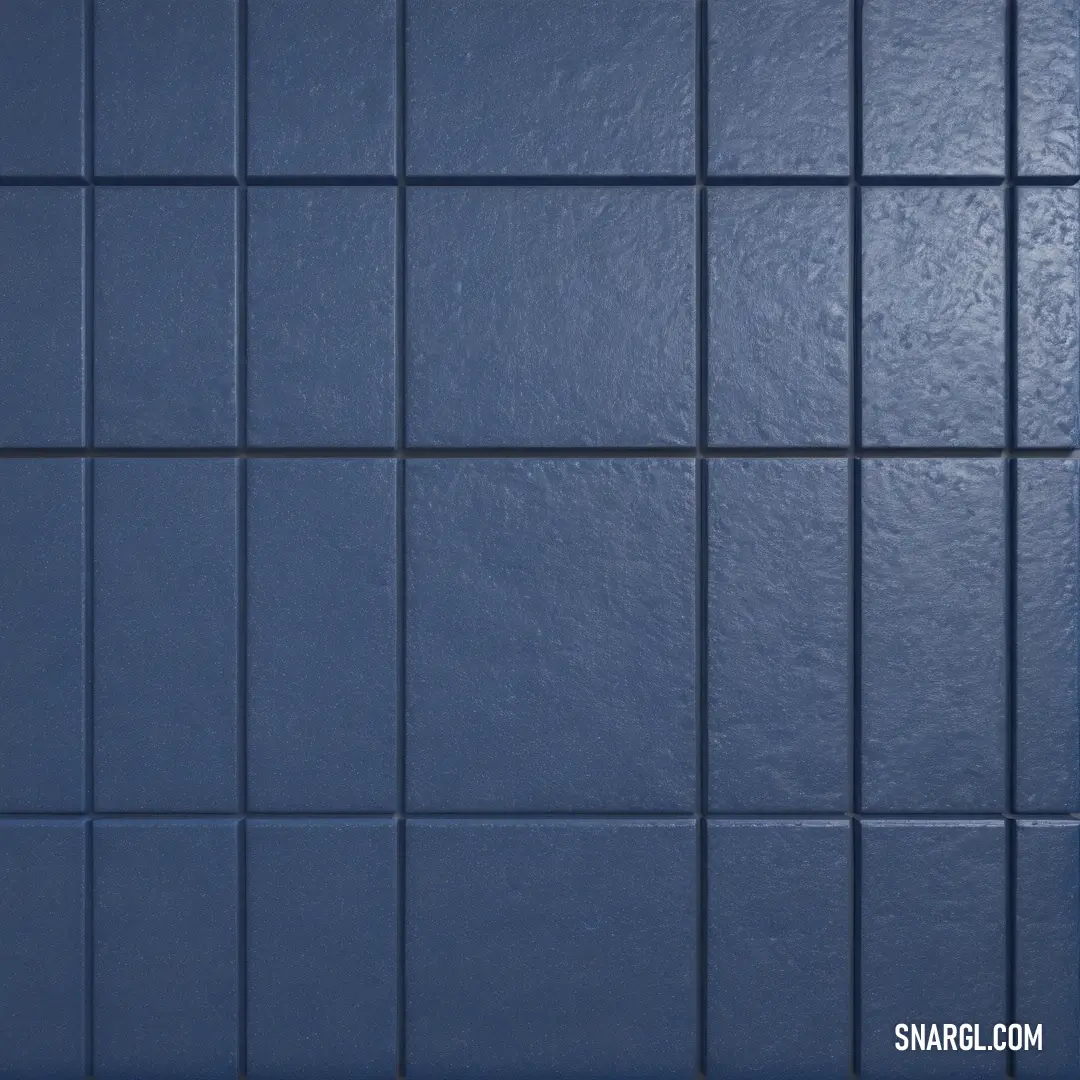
[[543, 815], [894, 180]]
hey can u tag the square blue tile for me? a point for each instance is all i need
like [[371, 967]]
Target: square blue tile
[[778, 316], [778, 87], [779, 933], [550, 948], [560, 87], [550, 317], [165, 635], [42, 87], [165, 87], [1048, 946], [166, 945], [934, 87], [550, 635], [42, 636], [322, 335], [321, 645], [1048, 87], [933, 317], [933, 636], [322, 949], [933, 943], [779, 600], [43, 973], [1047, 753], [165, 317], [1048, 317], [322, 87], [42, 316]]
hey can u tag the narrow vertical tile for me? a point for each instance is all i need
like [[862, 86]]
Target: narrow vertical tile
[[165, 317], [1048, 637], [933, 943], [42, 635], [778, 635], [322, 940], [41, 316], [779, 949], [165, 949], [1048, 946], [165, 87], [165, 634], [1048, 317], [933, 647], [322, 696], [42, 950]]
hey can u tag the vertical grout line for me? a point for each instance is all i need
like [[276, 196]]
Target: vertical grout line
[[855, 166], [242, 528], [399, 545], [701, 469]]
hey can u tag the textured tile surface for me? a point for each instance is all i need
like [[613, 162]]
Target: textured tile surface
[[41, 317], [778, 635], [165, 635], [165, 92], [561, 317], [321, 341], [934, 87], [322, 941], [42, 636], [322, 658], [933, 941], [165, 317], [933, 646], [550, 635], [778, 87], [933, 315], [778, 317], [559, 948], [321, 87], [779, 948], [564, 87], [165, 949]]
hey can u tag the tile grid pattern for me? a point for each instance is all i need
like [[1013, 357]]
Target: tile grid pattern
[[700, 454]]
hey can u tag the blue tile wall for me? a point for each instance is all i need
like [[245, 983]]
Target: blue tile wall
[[538, 538]]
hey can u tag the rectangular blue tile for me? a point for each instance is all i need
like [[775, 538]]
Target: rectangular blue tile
[[933, 317], [779, 594], [778, 316], [1047, 637], [933, 641], [322, 949], [550, 317], [1048, 946], [934, 87], [322, 335], [42, 636], [1048, 87], [1048, 317], [933, 944], [165, 87], [550, 635], [165, 949], [322, 87], [779, 949], [42, 116], [322, 654], [42, 950], [165, 317], [778, 87], [41, 316], [550, 948], [563, 87], [165, 634]]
